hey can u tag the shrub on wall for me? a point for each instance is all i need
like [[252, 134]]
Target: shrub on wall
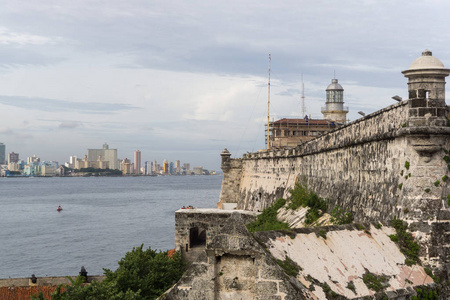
[[267, 220]]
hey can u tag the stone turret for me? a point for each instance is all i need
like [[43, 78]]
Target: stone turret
[[426, 90], [226, 164]]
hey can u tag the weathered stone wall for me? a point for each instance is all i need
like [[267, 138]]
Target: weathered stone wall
[[391, 163], [205, 224]]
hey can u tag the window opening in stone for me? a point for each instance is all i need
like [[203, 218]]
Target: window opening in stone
[[197, 237]]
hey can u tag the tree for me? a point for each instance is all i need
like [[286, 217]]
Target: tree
[[142, 274]]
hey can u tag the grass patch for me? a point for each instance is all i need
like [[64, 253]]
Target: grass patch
[[427, 190], [406, 242], [436, 183], [375, 282], [445, 178], [323, 234], [351, 286], [340, 216], [267, 220], [400, 186], [407, 165], [427, 293], [289, 266], [302, 196]]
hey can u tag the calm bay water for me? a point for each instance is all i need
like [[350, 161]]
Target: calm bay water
[[102, 219]]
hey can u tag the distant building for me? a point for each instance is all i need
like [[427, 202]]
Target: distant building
[[187, 167], [137, 162], [171, 168], [177, 167], [291, 132], [2, 154], [48, 170], [109, 155], [33, 159], [148, 168], [198, 170], [127, 166], [13, 157], [165, 167]]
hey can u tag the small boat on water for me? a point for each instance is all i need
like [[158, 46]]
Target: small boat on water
[[59, 208]]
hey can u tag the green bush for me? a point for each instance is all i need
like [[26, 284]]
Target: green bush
[[267, 220], [289, 266], [407, 165], [301, 196], [340, 216], [375, 282], [142, 274], [406, 242]]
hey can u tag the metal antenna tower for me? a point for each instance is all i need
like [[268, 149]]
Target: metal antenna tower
[[303, 99], [268, 111]]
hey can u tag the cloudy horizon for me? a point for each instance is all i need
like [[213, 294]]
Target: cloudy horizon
[[182, 80]]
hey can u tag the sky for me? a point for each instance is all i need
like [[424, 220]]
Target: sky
[[182, 80]]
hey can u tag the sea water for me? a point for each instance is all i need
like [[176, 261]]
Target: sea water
[[102, 219]]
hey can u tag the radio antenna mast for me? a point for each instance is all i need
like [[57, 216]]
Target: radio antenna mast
[[303, 99], [268, 111]]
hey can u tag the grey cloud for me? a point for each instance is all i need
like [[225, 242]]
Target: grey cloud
[[70, 124], [53, 105]]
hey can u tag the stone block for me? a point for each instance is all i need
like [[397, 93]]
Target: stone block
[[428, 110], [418, 103], [266, 288]]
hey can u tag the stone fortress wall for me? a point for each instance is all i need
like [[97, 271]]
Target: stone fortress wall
[[391, 163]]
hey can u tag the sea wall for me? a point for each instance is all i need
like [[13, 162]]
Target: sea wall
[[391, 163]]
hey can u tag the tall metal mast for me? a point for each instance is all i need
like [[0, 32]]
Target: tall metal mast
[[268, 111], [303, 99]]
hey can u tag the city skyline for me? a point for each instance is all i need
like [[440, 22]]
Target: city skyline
[[186, 80]]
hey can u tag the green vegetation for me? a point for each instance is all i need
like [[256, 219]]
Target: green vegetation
[[426, 293], [340, 216], [378, 226], [407, 165], [267, 220], [101, 172], [142, 274], [375, 282], [448, 200], [301, 196], [430, 273], [445, 178], [289, 266], [351, 286], [436, 183], [405, 241], [323, 234], [400, 186], [427, 190]]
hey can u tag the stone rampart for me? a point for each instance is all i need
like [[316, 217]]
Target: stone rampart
[[391, 163]]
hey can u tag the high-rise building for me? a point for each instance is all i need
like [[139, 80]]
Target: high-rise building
[[177, 167], [109, 155], [187, 167], [171, 168], [13, 157], [165, 167], [127, 166], [148, 168], [2, 154], [137, 162]]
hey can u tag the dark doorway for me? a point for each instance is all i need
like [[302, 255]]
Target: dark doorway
[[197, 237]]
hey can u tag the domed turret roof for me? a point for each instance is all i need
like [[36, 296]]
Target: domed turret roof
[[334, 86], [426, 61]]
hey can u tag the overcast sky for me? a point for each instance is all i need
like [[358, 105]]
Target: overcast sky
[[185, 79]]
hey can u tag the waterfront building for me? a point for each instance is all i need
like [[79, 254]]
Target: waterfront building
[[14, 166], [177, 167], [33, 159], [165, 167], [171, 168], [187, 167], [148, 168], [48, 170], [127, 166], [289, 132], [198, 170], [137, 162], [109, 155], [2, 154], [13, 157]]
